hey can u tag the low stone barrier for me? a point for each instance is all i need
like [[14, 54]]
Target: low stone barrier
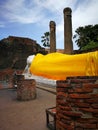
[[77, 103]]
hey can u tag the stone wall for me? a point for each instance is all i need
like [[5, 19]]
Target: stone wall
[[6, 77], [77, 104]]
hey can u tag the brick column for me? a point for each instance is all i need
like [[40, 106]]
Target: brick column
[[26, 88], [68, 45], [77, 104], [52, 36]]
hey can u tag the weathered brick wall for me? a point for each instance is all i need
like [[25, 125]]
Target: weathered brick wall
[[7, 76], [77, 104], [26, 88]]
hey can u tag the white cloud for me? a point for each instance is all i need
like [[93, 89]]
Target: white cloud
[[17, 11], [84, 12], [32, 11]]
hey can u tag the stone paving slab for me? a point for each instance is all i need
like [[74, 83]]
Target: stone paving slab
[[24, 115]]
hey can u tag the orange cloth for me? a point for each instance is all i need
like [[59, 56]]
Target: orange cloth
[[58, 66]]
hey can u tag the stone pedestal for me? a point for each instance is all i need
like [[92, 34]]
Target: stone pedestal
[[26, 89]]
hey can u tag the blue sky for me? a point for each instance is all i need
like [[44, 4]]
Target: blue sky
[[30, 18]]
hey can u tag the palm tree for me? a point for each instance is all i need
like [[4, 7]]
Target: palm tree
[[46, 39]]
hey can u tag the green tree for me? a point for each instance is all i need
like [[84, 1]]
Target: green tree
[[87, 37], [46, 39]]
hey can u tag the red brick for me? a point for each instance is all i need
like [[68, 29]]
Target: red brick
[[89, 110], [62, 94], [82, 90], [60, 115], [65, 85], [68, 122], [80, 96], [95, 115], [72, 114], [94, 95], [73, 100], [78, 128], [71, 91], [86, 120], [65, 108], [97, 125], [61, 90], [76, 85], [81, 104], [65, 126], [62, 102], [95, 106], [86, 125], [95, 100], [82, 81], [90, 85]]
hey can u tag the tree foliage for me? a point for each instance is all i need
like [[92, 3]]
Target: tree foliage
[[46, 39], [87, 37]]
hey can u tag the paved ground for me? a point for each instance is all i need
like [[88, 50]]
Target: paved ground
[[24, 115], [47, 87]]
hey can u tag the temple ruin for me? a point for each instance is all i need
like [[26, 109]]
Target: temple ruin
[[68, 44]]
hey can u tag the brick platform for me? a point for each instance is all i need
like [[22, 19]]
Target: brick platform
[[77, 104]]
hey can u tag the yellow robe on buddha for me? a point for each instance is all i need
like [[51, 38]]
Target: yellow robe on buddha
[[58, 66]]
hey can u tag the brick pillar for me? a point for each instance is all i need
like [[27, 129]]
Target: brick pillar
[[68, 45], [52, 36], [77, 103], [26, 88]]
